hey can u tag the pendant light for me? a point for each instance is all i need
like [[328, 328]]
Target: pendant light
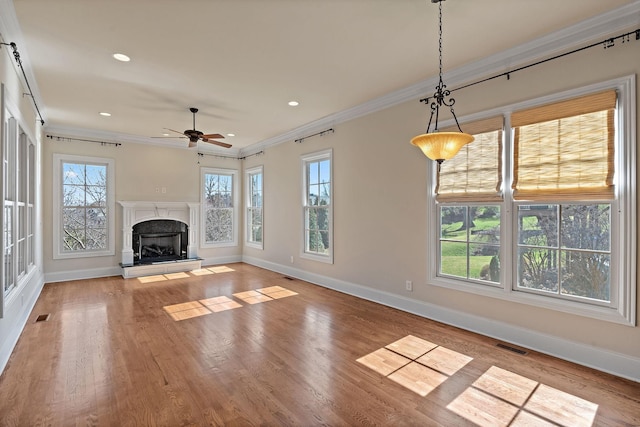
[[436, 145]]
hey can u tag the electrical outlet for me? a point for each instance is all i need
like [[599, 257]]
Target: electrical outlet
[[408, 285], [291, 259]]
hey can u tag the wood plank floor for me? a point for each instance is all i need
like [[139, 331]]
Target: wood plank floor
[[114, 353]]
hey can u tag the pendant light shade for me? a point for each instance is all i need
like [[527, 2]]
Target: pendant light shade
[[441, 146]]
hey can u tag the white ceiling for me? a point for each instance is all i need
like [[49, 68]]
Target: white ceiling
[[241, 61]]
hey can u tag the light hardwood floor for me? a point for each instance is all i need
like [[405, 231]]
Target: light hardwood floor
[[199, 349]]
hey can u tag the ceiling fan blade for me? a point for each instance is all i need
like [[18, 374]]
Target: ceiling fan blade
[[213, 135], [171, 137], [181, 133], [220, 143]]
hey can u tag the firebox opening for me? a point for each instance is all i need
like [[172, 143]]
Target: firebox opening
[[159, 240]]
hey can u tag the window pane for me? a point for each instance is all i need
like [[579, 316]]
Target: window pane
[[314, 242], [74, 195], [314, 195], [453, 258], [325, 171], [586, 275], [538, 225], [219, 225], [586, 226], [480, 257], [73, 174], [325, 193], [95, 174], [484, 224], [74, 239], [538, 269], [73, 218], [96, 218], [313, 173], [453, 223], [96, 238]]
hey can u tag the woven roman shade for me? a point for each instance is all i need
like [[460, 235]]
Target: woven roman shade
[[565, 150], [475, 173]]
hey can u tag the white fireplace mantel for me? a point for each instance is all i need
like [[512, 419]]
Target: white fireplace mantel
[[134, 212]]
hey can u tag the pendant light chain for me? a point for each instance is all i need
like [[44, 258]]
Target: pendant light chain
[[440, 39], [436, 145]]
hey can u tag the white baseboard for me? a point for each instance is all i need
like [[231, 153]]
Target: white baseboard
[[594, 357], [221, 260], [63, 276]]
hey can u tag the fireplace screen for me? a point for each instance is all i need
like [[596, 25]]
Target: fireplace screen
[[159, 241]]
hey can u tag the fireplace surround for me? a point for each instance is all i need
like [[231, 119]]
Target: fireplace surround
[[159, 237]]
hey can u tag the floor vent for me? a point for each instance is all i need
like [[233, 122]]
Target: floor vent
[[513, 349], [288, 278], [42, 318]]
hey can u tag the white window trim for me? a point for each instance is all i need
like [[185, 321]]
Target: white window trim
[[312, 157], [9, 109], [58, 160], [236, 204], [623, 280], [247, 220]]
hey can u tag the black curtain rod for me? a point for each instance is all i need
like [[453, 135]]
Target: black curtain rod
[[299, 140], [64, 138], [607, 43], [16, 55], [228, 157]]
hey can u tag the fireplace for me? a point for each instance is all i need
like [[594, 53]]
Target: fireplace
[[159, 240], [159, 237]]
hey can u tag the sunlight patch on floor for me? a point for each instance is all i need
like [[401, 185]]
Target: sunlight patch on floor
[[497, 398], [191, 309], [415, 363], [186, 274], [503, 398]]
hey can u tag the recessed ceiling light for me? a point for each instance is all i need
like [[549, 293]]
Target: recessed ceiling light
[[121, 57], [231, 134], [165, 134], [104, 113], [294, 103]]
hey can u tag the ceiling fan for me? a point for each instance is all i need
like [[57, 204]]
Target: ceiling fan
[[195, 135]]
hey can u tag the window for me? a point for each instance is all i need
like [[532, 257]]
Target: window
[[548, 217], [84, 206], [219, 201], [317, 207], [254, 203], [18, 159], [467, 189]]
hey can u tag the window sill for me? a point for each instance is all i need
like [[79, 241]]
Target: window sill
[[606, 314], [85, 254], [327, 259]]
